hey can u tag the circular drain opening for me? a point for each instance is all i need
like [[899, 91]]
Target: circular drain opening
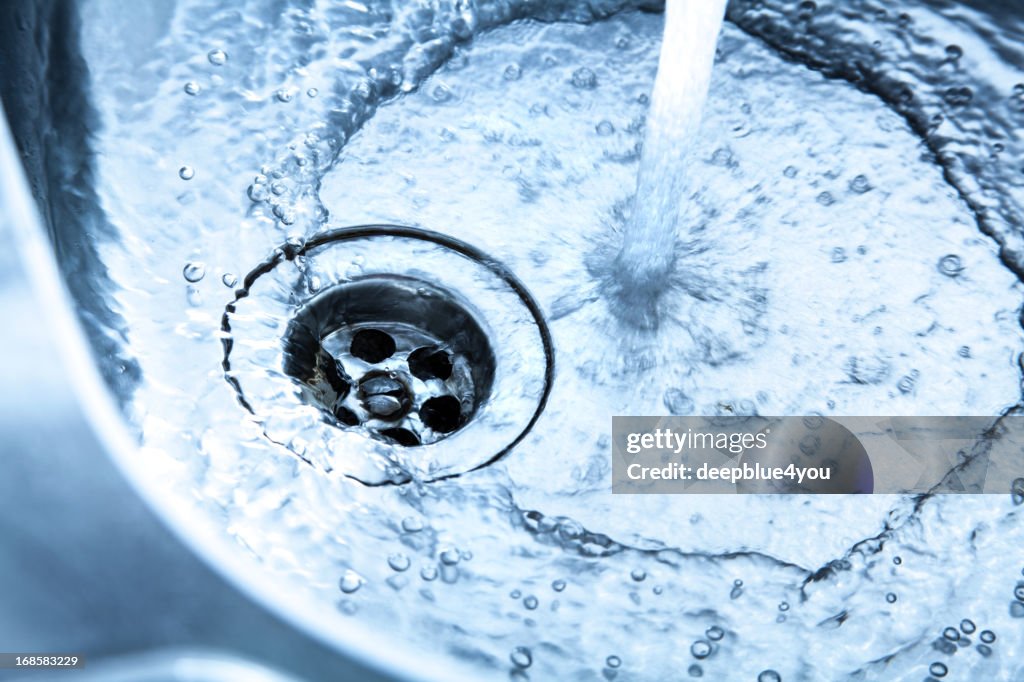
[[396, 356], [388, 354]]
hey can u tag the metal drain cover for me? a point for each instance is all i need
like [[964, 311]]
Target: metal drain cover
[[388, 354]]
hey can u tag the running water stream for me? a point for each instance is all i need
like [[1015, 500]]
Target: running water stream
[[649, 245]]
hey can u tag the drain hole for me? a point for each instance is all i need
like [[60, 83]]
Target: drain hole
[[430, 363], [419, 362], [442, 414], [372, 345]]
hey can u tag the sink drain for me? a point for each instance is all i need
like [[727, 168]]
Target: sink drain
[[388, 353]]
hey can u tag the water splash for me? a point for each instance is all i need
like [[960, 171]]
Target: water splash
[[649, 242]]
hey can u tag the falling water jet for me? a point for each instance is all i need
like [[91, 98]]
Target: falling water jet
[[647, 257]]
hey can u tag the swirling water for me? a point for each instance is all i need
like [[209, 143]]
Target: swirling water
[[856, 189]]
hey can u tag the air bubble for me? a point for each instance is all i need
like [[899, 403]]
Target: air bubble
[[284, 95], [695, 671], [613, 661], [312, 92], [531, 602], [769, 676], [938, 669], [954, 52], [987, 636], [428, 573], [228, 279], [638, 574], [584, 79], [521, 657], [952, 634], [350, 582], [950, 265], [411, 524], [398, 562], [826, 199], [195, 299], [677, 402], [450, 556], [192, 88], [715, 633], [605, 128], [194, 271], [897, 560], [513, 72], [891, 597], [558, 585], [186, 172], [217, 57], [1017, 491], [1018, 592], [860, 184], [967, 626], [701, 649]]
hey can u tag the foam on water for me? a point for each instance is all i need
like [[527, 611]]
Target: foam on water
[[827, 264]]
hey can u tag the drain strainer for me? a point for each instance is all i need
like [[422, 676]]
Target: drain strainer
[[388, 353]]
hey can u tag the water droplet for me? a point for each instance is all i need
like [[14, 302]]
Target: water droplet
[[398, 562], [428, 573], [350, 582], [584, 79], [513, 72], [605, 128], [186, 172], [891, 597], [411, 524], [938, 669], [521, 657], [987, 636], [967, 626], [228, 279], [954, 52], [1017, 493], [558, 585], [194, 271], [284, 95], [695, 671], [826, 199], [860, 184], [790, 172], [217, 57], [312, 92], [715, 633], [950, 265], [736, 591], [701, 649], [769, 676], [531, 602], [192, 88], [638, 574], [441, 93], [965, 352], [613, 661], [838, 255], [515, 594], [952, 634]]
